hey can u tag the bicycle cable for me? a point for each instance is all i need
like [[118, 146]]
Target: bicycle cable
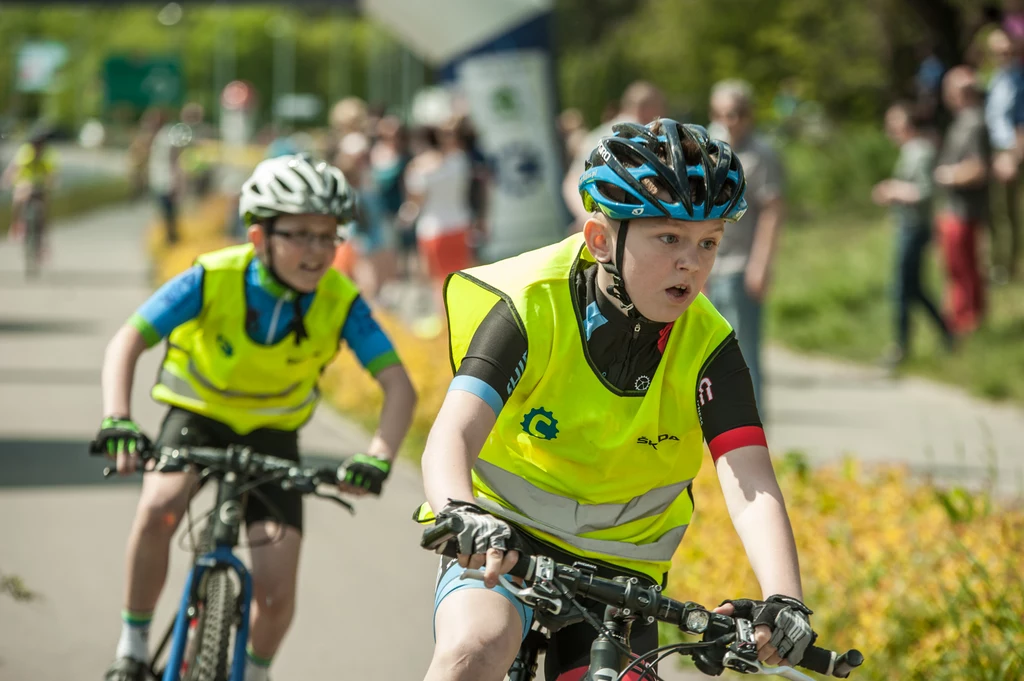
[[662, 653], [593, 621]]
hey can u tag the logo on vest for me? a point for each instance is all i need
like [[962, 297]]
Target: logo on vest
[[540, 423], [704, 390], [642, 440], [225, 346]]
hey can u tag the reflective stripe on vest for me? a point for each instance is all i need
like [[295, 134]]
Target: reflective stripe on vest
[[566, 518], [184, 389]]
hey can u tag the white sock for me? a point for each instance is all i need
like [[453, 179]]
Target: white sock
[[134, 642], [256, 671]]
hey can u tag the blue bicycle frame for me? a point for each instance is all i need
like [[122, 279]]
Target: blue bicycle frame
[[220, 556]]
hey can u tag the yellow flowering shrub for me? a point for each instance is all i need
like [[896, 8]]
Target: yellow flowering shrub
[[926, 583], [200, 230], [354, 392]]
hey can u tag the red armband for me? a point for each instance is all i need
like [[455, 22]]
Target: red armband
[[744, 436]]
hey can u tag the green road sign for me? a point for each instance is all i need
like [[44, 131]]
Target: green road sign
[[142, 82]]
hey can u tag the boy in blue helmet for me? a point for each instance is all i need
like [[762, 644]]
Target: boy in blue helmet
[[588, 377]]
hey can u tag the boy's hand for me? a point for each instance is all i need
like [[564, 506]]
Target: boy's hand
[[364, 474], [483, 541], [121, 438], [781, 627]]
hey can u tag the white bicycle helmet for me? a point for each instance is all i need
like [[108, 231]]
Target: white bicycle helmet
[[294, 185]]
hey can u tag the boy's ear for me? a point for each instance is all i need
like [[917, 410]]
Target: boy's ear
[[257, 237], [598, 237]]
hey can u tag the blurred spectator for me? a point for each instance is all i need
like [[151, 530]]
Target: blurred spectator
[[197, 160], [976, 55], [1004, 116], [572, 128], [374, 114], [963, 174], [641, 103], [1013, 20], [389, 158], [909, 192], [928, 88], [166, 179], [347, 115], [479, 184], [423, 139], [437, 185], [373, 241], [138, 150], [740, 277]]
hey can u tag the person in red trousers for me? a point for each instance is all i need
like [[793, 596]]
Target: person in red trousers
[[962, 173]]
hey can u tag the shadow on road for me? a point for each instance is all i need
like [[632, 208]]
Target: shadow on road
[[55, 463], [11, 326]]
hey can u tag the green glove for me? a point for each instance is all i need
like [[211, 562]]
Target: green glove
[[367, 472], [119, 435]]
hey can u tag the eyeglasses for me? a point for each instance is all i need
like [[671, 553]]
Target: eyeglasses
[[308, 239]]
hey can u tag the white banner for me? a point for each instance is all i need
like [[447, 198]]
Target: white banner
[[510, 103]]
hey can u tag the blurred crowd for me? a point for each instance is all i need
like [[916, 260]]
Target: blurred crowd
[[423, 187], [957, 179]]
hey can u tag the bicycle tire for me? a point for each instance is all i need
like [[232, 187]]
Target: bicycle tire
[[216, 620]]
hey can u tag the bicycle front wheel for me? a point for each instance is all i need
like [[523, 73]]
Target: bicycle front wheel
[[208, 659]]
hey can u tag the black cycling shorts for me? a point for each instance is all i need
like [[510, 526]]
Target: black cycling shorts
[[182, 428]]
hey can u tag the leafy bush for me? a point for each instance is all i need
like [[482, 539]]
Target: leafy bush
[[926, 583]]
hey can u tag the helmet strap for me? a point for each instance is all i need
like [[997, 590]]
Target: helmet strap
[[618, 288], [297, 325]]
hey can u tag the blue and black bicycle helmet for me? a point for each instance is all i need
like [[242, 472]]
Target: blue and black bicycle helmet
[[663, 169]]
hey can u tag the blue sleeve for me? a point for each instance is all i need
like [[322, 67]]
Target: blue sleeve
[[174, 303], [362, 333]]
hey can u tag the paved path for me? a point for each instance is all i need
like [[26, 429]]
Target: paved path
[[831, 409], [365, 587]]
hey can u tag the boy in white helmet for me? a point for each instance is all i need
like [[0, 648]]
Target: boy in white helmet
[[251, 324]]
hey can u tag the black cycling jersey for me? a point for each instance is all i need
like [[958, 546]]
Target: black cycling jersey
[[627, 354]]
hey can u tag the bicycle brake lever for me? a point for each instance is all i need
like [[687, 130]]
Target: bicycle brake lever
[[324, 495], [528, 595]]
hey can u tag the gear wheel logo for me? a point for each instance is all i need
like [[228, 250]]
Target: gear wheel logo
[[642, 383], [540, 423]]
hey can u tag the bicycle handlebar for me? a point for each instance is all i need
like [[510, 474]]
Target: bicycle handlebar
[[242, 461], [548, 583]]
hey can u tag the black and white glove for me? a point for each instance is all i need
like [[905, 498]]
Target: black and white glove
[[479, 531], [788, 619]]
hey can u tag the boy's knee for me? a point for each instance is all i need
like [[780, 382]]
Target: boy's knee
[[158, 516], [470, 655]]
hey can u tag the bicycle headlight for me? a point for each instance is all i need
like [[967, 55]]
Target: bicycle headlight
[[697, 621]]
